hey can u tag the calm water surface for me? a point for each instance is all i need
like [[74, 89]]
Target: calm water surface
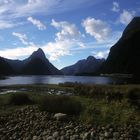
[[18, 80]]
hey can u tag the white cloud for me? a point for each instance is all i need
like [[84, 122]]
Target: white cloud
[[116, 7], [8, 1], [53, 49], [57, 49], [66, 30], [16, 53], [37, 23], [13, 10], [17, 9], [6, 24], [22, 37], [96, 28], [126, 16], [67, 38], [101, 54]]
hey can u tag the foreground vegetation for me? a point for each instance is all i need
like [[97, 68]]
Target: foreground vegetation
[[91, 112], [90, 104]]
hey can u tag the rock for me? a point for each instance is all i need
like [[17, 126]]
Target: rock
[[60, 116], [62, 132], [116, 135], [75, 137], [62, 138], [55, 134], [50, 138], [92, 134], [107, 134], [86, 136], [101, 138], [35, 138]]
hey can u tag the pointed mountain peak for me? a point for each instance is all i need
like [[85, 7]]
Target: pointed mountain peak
[[38, 54], [39, 51]]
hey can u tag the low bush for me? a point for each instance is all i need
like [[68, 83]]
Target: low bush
[[60, 104], [19, 99]]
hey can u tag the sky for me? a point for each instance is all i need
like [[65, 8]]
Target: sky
[[67, 30]]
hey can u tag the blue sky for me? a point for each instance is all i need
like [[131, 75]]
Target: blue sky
[[67, 30]]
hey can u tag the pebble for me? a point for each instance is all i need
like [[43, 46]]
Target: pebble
[[31, 124], [55, 134]]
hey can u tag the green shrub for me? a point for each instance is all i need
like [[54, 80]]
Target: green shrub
[[19, 99], [60, 104]]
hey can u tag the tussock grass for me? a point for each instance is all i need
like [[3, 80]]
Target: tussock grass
[[60, 104], [19, 99]]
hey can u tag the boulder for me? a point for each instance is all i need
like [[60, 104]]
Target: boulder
[[60, 116]]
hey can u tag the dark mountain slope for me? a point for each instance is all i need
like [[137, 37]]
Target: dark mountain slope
[[124, 56], [38, 64], [5, 68], [85, 66]]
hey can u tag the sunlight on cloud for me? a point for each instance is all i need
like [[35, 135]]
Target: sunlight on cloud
[[66, 38], [16, 53], [37, 23], [67, 30], [96, 28], [126, 16], [57, 49], [101, 54]]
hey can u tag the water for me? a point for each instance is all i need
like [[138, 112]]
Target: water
[[22, 80]]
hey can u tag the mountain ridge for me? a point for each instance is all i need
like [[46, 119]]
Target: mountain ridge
[[83, 67], [35, 64]]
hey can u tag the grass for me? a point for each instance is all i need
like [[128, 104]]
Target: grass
[[90, 104], [60, 104], [19, 99]]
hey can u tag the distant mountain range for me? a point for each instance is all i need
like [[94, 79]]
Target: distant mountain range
[[36, 64], [87, 66], [124, 56]]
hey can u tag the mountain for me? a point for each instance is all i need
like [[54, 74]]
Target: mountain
[[36, 64], [16, 65], [83, 67], [5, 68], [124, 56]]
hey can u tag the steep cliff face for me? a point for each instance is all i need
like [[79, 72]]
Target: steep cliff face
[[124, 56]]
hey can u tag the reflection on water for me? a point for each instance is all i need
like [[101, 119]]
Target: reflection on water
[[14, 80]]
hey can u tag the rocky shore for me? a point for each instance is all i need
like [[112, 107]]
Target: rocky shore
[[29, 123]]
